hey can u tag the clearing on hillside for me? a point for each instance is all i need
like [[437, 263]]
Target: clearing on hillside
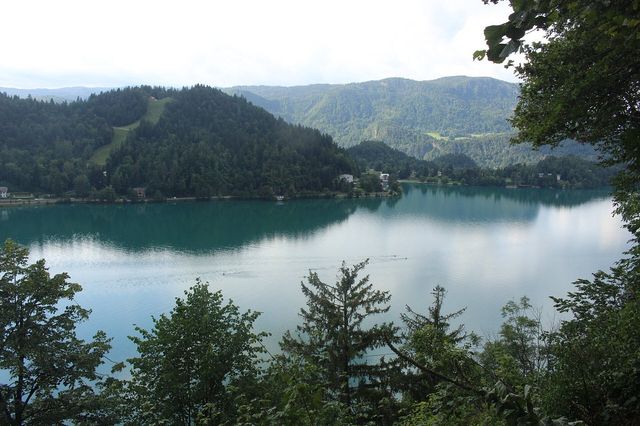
[[155, 108]]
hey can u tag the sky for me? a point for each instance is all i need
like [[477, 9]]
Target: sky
[[62, 43]]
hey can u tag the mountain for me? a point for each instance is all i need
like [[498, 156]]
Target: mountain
[[202, 142], [64, 94], [425, 119], [551, 172]]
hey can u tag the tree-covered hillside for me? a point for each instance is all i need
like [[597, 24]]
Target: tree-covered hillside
[[45, 146], [452, 106], [424, 119], [208, 143], [203, 143], [551, 172]]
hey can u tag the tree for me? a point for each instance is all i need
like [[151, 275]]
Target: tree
[[370, 182], [335, 338], [50, 370], [431, 341], [583, 82], [194, 362], [518, 355], [594, 357]]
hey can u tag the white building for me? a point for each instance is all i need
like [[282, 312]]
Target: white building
[[347, 178], [4, 192]]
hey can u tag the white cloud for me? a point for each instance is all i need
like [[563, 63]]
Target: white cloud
[[222, 43]]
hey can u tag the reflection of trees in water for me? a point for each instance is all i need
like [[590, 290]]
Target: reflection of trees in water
[[226, 225], [184, 226], [537, 196], [480, 204]]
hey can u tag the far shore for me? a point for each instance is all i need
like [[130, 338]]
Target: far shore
[[40, 201]]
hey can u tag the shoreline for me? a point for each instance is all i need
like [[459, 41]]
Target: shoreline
[[36, 201]]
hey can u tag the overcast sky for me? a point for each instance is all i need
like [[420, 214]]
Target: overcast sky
[[241, 42]]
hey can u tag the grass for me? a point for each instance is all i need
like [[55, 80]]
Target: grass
[[153, 114], [436, 135]]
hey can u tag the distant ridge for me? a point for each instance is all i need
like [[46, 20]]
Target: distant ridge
[[62, 94], [425, 119]]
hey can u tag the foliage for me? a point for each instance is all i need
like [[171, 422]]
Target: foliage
[[517, 356], [194, 362], [44, 146], [455, 161], [119, 107], [335, 336], [393, 109], [379, 156], [574, 172], [431, 341], [50, 370], [204, 143], [441, 391], [595, 355], [208, 143], [291, 392], [370, 182], [582, 83], [424, 119], [564, 94]]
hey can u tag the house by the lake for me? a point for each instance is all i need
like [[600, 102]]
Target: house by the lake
[[346, 177], [140, 192], [384, 180], [4, 192]]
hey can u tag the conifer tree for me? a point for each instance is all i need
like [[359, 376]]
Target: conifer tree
[[335, 335]]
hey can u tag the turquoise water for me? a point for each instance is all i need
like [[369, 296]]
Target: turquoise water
[[485, 246]]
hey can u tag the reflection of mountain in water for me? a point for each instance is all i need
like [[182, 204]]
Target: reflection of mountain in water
[[490, 205], [228, 225], [184, 226]]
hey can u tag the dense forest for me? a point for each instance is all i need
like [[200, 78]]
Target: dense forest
[[208, 143], [204, 143], [550, 172], [425, 119], [201, 142]]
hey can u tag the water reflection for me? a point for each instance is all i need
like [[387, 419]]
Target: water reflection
[[203, 227], [190, 227], [484, 245], [486, 205]]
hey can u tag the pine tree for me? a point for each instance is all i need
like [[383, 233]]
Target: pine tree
[[433, 342], [335, 335]]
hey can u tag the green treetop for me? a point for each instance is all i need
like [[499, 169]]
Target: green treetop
[[49, 371]]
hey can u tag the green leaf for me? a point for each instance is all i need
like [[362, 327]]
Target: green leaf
[[495, 33]]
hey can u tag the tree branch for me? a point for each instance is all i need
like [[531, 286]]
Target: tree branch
[[429, 371]]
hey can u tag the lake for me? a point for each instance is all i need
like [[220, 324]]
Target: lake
[[484, 245]]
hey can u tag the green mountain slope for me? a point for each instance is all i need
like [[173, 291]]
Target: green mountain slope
[[208, 143], [425, 119], [189, 142], [155, 108]]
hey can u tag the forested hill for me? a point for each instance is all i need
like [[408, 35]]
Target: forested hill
[[208, 143], [550, 172], [204, 143], [450, 106], [425, 119]]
